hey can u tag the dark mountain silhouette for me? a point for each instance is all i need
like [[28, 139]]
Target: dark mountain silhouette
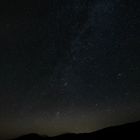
[[131, 130], [31, 136]]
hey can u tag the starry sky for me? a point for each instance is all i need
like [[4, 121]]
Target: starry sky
[[68, 65]]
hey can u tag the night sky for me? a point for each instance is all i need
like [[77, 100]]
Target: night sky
[[68, 65]]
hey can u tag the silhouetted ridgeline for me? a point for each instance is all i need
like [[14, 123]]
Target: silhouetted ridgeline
[[131, 130]]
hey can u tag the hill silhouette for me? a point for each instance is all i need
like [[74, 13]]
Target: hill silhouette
[[130, 130]]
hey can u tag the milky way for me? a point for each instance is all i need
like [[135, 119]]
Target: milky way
[[68, 66]]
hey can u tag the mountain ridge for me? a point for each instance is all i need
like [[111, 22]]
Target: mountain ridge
[[131, 130]]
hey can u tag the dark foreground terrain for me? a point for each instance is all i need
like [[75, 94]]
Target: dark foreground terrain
[[131, 130]]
